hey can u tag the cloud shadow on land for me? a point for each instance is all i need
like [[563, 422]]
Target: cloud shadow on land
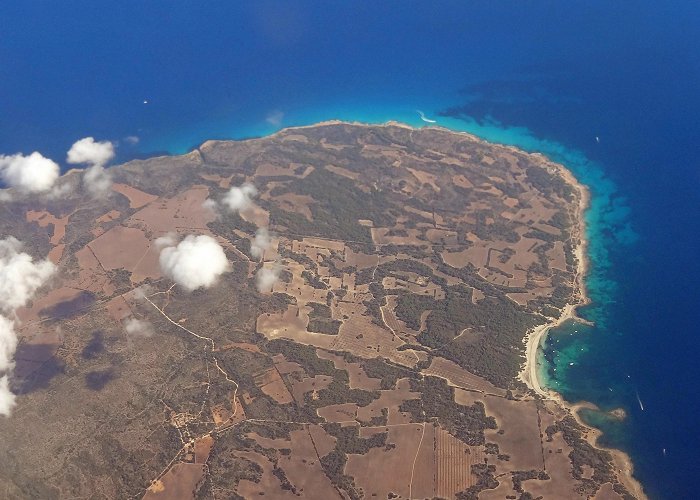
[[69, 308], [35, 366], [98, 379]]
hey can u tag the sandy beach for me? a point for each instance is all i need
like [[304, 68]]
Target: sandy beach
[[533, 340]]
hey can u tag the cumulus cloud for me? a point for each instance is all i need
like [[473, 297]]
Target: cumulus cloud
[[29, 174], [211, 205], [8, 344], [240, 197], [96, 154], [266, 278], [97, 180], [7, 398], [20, 276], [90, 152], [60, 190], [138, 328], [142, 292], [260, 243], [167, 240], [196, 262]]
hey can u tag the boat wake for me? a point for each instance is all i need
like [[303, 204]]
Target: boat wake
[[423, 117]]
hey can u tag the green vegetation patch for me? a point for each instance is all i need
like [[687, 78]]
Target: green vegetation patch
[[466, 423]]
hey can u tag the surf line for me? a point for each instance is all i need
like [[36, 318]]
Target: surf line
[[422, 117]]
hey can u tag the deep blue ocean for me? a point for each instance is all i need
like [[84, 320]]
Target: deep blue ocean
[[546, 76]]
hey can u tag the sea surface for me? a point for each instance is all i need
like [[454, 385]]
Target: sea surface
[[610, 89]]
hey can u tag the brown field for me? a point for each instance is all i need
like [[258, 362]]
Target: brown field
[[108, 217], [270, 170], [389, 400], [557, 464], [346, 412], [39, 307], [147, 266], [309, 384], [269, 485], [286, 367], [323, 442], [462, 181], [120, 248], [296, 203], [380, 236], [56, 253], [606, 492], [302, 465], [454, 461], [425, 178], [292, 326], [179, 483], [182, 212], [358, 377], [362, 338], [459, 377], [44, 219], [342, 171], [371, 470], [136, 197], [271, 384], [521, 438], [118, 308], [441, 236], [202, 448], [223, 182], [557, 256], [239, 345], [361, 260], [91, 276]]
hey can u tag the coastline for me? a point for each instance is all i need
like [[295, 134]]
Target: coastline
[[529, 373], [621, 460]]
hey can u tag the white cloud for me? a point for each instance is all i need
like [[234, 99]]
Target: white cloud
[[7, 398], [20, 276], [196, 262], [96, 154], [138, 328], [60, 190], [167, 240], [29, 174], [266, 278], [240, 198], [97, 181], [90, 152], [260, 243], [8, 344], [132, 139], [211, 205], [142, 292], [275, 118]]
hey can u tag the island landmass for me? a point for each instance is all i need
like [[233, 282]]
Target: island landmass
[[375, 332]]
